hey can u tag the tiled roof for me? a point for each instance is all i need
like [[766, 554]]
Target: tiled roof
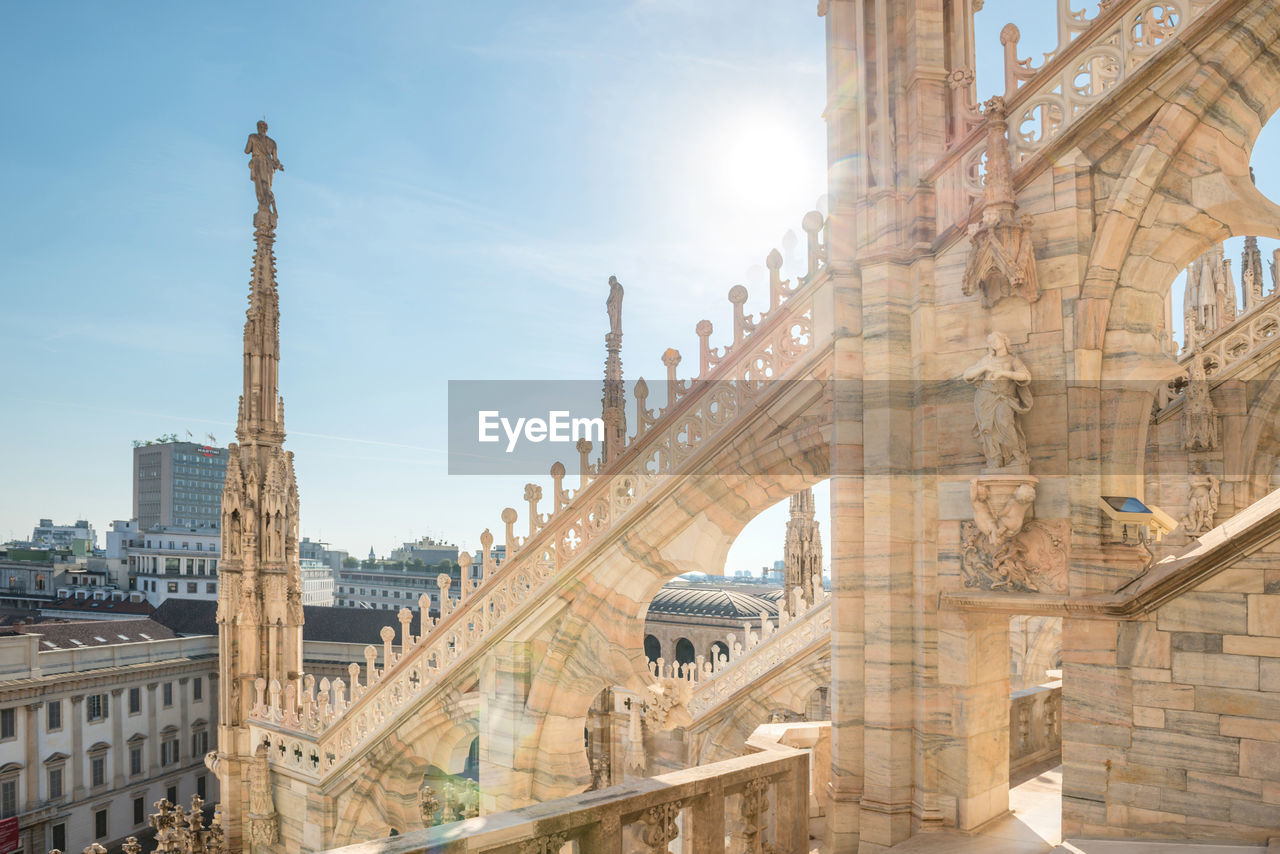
[[332, 625], [96, 633], [101, 606], [707, 601]]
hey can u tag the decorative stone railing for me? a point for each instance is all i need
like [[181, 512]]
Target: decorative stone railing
[[1092, 57], [1035, 726], [315, 729], [756, 655], [750, 803], [1226, 351], [1239, 341]]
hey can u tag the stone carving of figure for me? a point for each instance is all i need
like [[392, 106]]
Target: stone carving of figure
[[1000, 523], [614, 305], [233, 535], [1002, 394], [1202, 501], [263, 826], [263, 164], [1199, 416]]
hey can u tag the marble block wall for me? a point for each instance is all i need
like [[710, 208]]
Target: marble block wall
[[1175, 732]]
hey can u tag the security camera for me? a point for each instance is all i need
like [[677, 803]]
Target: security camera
[[1133, 522]]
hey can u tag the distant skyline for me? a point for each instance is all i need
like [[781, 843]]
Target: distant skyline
[[460, 182]]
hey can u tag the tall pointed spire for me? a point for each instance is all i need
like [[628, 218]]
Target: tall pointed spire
[[260, 578], [613, 404], [803, 556]]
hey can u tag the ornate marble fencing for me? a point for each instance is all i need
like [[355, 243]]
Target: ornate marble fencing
[[1228, 350], [753, 803], [1092, 57], [313, 730]]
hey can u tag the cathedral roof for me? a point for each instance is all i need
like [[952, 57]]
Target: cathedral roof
[[708, 601]]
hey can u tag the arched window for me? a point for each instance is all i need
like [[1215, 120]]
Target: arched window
[[652, 648], [717, 650], [684, 651], [40, 581], [472, 769]]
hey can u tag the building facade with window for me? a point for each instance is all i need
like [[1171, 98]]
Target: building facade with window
[[47, 535], [390, 586], [317, 582], [174, 561], [178, 484], [98, 721]]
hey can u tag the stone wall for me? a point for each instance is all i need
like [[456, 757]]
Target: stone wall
[[1035, 726], [1177, 735]]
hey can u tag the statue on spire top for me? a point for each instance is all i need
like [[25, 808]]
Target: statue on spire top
[[614, 306], [263, 165]]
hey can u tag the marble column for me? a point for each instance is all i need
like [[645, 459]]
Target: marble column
[[504, 719]]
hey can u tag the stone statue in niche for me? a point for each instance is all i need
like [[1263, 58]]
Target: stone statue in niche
[[1202, 501], [1199, 417], [1002, 393]]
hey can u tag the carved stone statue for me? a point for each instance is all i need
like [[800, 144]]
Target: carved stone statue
[[614, 306], [1001, 260], [263, 165], [264, 826], [1199, 416], [428, 803], [1002, 394], [1202, 501], [1000, 506]]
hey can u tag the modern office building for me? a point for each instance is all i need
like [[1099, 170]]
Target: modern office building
[[178, 484], [98, 721]]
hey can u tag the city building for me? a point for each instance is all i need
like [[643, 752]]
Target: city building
[[315, 550], [175, 561], [78, 537], [317, 582], [97, 723], [392, 585], [691, 619], [178, 484], [426, 549], [95, 603]]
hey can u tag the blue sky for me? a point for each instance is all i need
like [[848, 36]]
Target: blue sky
[[460, 181]]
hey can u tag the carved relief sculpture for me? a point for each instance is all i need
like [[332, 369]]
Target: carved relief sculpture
[[1202, 501], [1002, 393], [1001, 259]]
